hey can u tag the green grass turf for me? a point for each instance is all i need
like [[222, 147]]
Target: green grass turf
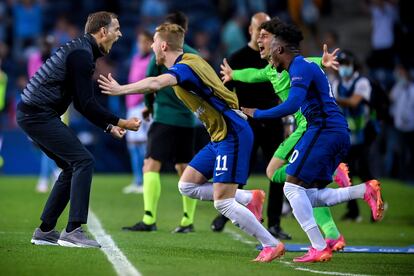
[[199, 253]]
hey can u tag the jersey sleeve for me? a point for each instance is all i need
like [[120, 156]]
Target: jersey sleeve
[[181, 72], [251, 75], [290, 106]]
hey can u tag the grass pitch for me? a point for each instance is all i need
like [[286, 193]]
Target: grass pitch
[[199, 253]]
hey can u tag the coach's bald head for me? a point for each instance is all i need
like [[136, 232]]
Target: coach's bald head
[[255, 22]]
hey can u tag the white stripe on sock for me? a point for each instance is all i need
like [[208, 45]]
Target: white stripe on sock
[[119, 261]]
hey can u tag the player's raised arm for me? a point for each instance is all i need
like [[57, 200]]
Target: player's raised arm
[[148, 85]]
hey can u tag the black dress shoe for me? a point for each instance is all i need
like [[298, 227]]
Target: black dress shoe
[[218, 223], [141, 226], [184, 229], [278, 233]]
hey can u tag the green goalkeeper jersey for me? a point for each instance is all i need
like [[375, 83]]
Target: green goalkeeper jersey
[[280, 82]]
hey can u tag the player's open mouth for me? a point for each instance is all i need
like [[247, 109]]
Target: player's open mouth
[[261, 49]]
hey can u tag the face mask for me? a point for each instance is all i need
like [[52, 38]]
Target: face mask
[[400, 79], [345, 71]]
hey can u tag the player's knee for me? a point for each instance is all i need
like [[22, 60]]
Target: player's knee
[[274, 165], [151, 165], [270, 172], [288, 191], [179, 168], [187, 189]]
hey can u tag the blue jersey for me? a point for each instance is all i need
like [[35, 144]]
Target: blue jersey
[[311, 92], [204, 94], [226, 157]]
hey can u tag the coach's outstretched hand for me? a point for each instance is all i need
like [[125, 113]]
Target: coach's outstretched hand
[[226, 71], [130, 124], [117, 132], [109, 85], [329, 59]]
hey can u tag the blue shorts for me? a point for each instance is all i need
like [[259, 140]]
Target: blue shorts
[[226, 161], [317, 154]]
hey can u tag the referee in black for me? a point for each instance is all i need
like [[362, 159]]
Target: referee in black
[[64, 78]]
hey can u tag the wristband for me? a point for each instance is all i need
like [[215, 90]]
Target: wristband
[[108, 128]]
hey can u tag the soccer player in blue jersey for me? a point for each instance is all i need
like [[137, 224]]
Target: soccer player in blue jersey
[[321, 148], [226, 158]]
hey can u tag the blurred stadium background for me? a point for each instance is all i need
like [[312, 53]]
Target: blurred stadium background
[[216, 28]]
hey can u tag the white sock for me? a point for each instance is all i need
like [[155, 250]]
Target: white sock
[[205, 192], [243, 196], [316, 238], [245, 220], [302, 210], [330, 197], [357, 191]]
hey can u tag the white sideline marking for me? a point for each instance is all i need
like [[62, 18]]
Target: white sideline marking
[[236, 236], [119, 261], [320, 271]]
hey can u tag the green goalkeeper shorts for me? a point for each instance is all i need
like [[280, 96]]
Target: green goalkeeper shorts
[[286, 147]]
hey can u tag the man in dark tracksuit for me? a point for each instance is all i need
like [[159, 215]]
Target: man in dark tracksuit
[[64, 78]]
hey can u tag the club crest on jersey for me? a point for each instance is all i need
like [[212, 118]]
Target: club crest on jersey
[[199, 111]]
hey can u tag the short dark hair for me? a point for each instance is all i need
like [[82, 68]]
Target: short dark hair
[[271, 25], [345, 57], [348, 57], [179, 18], [290, 34], [98, 20]]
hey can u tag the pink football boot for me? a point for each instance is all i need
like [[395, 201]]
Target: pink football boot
[[314, 255], [373, 197], [341, 176], [336, 244], [268, 254], [256, 204]]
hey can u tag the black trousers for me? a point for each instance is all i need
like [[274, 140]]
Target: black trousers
[[268, 134], [61, 144]]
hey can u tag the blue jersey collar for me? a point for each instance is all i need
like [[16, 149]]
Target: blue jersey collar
[[293, 60], [179, 58]]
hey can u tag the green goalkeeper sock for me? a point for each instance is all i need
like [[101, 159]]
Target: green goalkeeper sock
[[280, 175], [152, 192], [189, 207], [325, 221]]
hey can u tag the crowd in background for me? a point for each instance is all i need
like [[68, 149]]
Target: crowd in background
[[30, 30]]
